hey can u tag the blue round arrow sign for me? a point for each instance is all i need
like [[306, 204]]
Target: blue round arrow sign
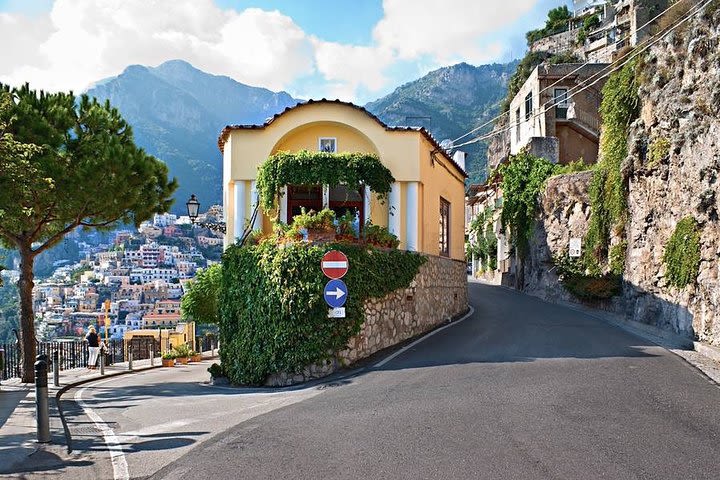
[[335, 293]]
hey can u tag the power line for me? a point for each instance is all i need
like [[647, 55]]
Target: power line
[[582, 88], [567, 75]]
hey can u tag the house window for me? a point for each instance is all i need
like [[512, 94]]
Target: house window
[[444, 227], [327, 144], [308, 197], [528, 106], [560, 100], [517, 125]]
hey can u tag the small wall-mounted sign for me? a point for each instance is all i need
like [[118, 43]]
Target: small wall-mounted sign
[[575, 247], [338, 312]]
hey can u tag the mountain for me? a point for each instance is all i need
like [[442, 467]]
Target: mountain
[[177, 112], [449, 102]]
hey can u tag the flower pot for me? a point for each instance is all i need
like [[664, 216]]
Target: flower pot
[[183, 360], [196, 358], [168, 362], [321, 236]]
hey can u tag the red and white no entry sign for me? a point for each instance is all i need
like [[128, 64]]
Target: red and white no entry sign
[[334, 264]]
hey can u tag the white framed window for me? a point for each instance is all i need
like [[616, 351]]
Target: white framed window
[[327, 144]]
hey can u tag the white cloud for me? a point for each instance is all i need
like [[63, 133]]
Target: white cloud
[[446, 30], [82, 41]]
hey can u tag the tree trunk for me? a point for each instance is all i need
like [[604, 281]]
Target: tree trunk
[[27, 316]]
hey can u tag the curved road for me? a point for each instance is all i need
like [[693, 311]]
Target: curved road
[[521, 389]]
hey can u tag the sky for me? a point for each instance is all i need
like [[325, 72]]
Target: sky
[[355, 50]]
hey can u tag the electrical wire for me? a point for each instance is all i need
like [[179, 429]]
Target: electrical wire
[[632, 55], [583, 65]]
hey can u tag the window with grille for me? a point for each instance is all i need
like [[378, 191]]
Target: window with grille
[[444, 227]]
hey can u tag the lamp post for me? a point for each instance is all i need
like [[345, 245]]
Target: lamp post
[[193, 207]]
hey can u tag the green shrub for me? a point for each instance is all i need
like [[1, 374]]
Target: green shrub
[[659, 150], [583, 285], [682, 253], [216, 370], [200, 303], [181, 351], [572, 167], [312, 220], [379, 236], [169, 355], [273, 315]]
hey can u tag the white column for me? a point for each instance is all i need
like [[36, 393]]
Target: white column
[[366, 204], [239, 201], [394, 209], [326, 196], [254, 198], [411, 217], [283, 204]]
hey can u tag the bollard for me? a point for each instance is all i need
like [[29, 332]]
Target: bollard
[[102, 363], [56, 368], [152, 357], [130, 355], [41, 400]]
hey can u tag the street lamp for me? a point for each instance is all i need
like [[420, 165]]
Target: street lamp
[[193, 206]]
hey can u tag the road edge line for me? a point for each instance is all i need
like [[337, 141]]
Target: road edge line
[[117, 456], [470, 312]]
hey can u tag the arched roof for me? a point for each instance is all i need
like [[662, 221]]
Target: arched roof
[[224, 134]]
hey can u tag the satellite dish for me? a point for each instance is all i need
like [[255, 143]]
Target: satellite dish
[[447, 145]]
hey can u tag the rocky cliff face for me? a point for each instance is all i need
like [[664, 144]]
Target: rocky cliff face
[[681, 108], [673, 171]]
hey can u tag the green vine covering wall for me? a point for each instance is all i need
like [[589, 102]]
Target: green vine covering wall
[[483, 241], [313, 168], [523, 177], [608, 191], [273, 315], [682, 253]]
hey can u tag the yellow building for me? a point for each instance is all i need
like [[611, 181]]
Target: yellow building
[[424, 209]]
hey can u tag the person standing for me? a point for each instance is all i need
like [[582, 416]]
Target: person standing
[[93, 340]]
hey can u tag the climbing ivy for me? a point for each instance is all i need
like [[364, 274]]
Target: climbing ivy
[[523, 177], [682, 253], [483, 241], [608, 192], [273, 316], [313, 168]]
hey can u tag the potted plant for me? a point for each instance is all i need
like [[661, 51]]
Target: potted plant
[[380, 236], [168, 359], [320, 226], [346, 228], [182, 354], [195, 356]]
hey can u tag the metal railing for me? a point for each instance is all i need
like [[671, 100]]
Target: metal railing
[[74, 354]]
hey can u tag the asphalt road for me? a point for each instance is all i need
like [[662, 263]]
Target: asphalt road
[[520, 390]]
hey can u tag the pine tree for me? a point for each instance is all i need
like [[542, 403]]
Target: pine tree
[[67, 163]]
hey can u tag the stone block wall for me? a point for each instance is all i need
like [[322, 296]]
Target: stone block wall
[[437, 294]]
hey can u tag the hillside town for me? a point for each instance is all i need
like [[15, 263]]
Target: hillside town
[[507, 268], [137, 281]]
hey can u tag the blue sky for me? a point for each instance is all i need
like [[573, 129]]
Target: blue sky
[[356, 50]]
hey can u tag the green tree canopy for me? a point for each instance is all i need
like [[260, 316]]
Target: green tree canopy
[[67, 163], [200, 303]]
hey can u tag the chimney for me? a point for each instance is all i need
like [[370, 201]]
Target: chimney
[[459, 158]]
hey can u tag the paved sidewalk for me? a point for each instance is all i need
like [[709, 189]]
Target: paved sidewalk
[[19, 450]]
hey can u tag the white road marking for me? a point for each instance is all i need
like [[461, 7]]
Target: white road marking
[[422, 339], [117, 457]]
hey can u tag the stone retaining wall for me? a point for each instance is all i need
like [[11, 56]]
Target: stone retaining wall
[[437, 294]]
